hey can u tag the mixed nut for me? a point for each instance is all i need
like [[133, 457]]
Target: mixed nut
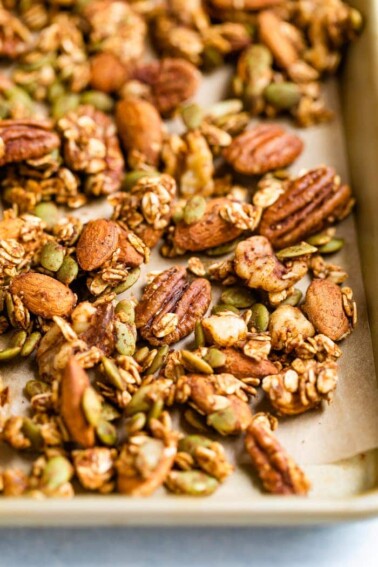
[[110, 371]]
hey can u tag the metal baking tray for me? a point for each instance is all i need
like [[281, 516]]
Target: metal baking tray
[[343, 490]]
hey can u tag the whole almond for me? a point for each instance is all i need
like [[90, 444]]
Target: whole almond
[[262, 149], [108, 74], [141, 131], [43, 295], [97, 243], [73, 385], [324, 308], [129, 255], [242, 366]]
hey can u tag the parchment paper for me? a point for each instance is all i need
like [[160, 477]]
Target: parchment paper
[[349, 425]]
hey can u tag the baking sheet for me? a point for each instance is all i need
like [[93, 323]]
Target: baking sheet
[[346, 428]]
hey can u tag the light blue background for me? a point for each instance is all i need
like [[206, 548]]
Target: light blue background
[[342, 545]]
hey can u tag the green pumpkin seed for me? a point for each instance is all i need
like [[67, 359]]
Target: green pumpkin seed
[[91, 406], [33, 432], [107, 433], [140, 402], [195, 362], [133, 177], [125, 338], [130, 280], [159, 359], [98, 99], [195, 420], [9, 354], [56, 91], [112, 373], [211, 58], [259, 317], [223, 308], [333, 246], [126, 309], [57, 472], [68, 271], [136, 423], [319, 239], [192, 115], [157, 409], [239, 297], [141, 354], [223, 249], [215, 357], [224, 421], [48, 212], [31, 344], [283, 96], [225, 107], [199, 335], [35, 388], [17, 95], [191, 483], [178, 213], [109, 412], [293, 299], [190, 443], [194, 209], [52, 256], [301, 249], [64, 104], [18, 340]]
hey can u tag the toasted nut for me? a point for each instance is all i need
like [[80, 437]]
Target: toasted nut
[[324, 307], [277, 470], [141, 131], [224, 330], [73, 385], [108, 74], [26, 139], [43, 295], [192, 483], [208, 232], [262, 149], [97, 243], [288, 328], [242, 366]]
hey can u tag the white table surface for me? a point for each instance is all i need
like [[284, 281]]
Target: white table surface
[[343, 545]]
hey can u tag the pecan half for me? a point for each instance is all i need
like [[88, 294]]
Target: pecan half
[[170, 306], [302, 386], [43, 295], [141, 131], [21, 140], [171, 81], [72, 387], [90, 145], [310, 203], [242, 366], [276, 469], [324, 306], [262, 149], [15, 37], [210, 231], [256, 263]]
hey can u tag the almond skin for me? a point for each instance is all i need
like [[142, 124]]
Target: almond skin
[[242, 366], [140, 129], [324, 308], [73, 385], [108, 74], [129, 255], [97, 243], [43, 295]]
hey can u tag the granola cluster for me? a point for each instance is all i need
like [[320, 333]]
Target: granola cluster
[[109, 368]]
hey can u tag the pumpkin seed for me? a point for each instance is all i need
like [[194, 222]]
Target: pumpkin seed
[[320, 238], [57, 471], [259, 317], [133, 177], [195, 420], [35, 388], [215, 357], [194, 209], [238, 296], [222, 249], [199, 335], [178, 213], [293, 299], [126, 309], [190, 443], [33, 432], [68, 271], [98, 99], [48, 212], [283, 95], [52, 256], [109, 412], [125, 338], [31, 343], [333, 246], [140, 402], [222, 308], [112, 373], [301, 249], [130, 280], [192, 115], [107, 433], [64, 104], [157, 409], [141, 354], [91, 406], [195, 362], [192, 483], [136, 423], [159, 359], [224, 421], [9, 353]]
